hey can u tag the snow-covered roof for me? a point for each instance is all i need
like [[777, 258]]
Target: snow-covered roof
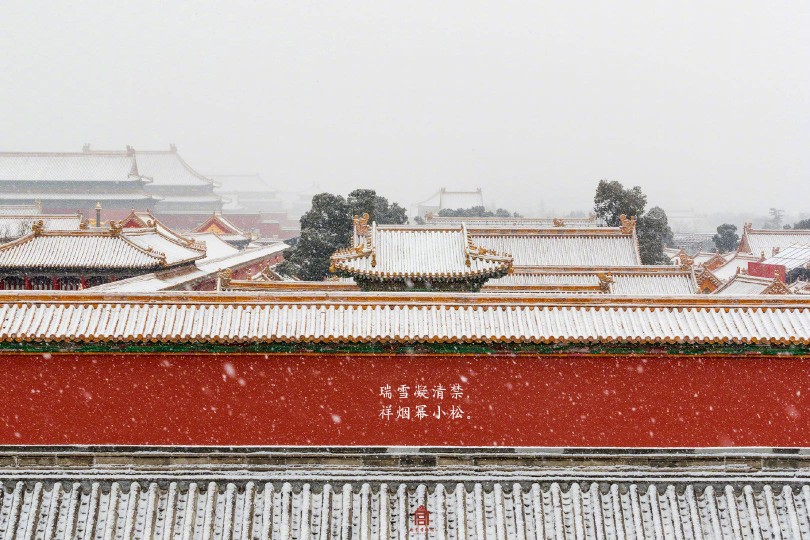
[[407, 318], [598, 246], [12, 227], [20, 209], [68, 167], [217, 223], [766, 242], [796, 256], [738, 263], [641, 280], [513, 222], [742, 284], [94, 248], [397, 251], [167, 168], [185, 277], [248, 505], [236, 183], [215, 247]]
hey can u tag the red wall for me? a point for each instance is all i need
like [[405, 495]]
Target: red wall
[[291, 399]]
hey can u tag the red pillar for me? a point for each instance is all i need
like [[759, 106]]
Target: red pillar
[[55, 284], [26, 283]]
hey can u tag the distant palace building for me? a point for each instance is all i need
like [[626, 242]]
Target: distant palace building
[[445, 199], [69, 182]]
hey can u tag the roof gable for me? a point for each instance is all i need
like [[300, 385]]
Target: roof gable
[[391, 252]]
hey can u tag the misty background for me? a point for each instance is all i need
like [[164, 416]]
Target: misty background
[[703, 104]]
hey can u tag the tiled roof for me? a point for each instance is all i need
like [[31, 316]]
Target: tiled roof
[[346, 317], [215, 247], [736, 264], [175, 250], [79, 166], [598, 247], [77, 196], [764, 242], [127, 249], [254, 509], [167, 168], [641, 281], [391, 251], [217, 223], [12, 227], [797, 256], [742, 284], [512, 222], [185, 277], [20, 209]]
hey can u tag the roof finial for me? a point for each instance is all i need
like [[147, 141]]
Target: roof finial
[[628, 225], [37, 227], [558, 222], [605, 279], [86, 147], [225, 278], [748, 226], [115, 227], [130, 150]]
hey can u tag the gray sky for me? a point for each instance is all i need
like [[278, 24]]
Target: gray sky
[[704, 104]]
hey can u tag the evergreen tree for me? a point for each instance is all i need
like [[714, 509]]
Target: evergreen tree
[[654, 235], [327, 227], [612, 200], [726, 240], [476, 211]]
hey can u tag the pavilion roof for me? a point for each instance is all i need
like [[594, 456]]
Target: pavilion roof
[[415, 252], [406, 318]]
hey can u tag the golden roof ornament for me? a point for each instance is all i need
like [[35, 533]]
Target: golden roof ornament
[[605, 279], [361, 224], [687, 262], [225, 278], [747, 227], [558, 222], [627, 225], [115, 228], [37, 227]]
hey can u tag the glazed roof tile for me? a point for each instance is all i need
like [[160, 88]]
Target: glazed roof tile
[[765, 241], [251, 507], [796, 256], [347, 317], [68, 167], [391, 251], [513, 222]]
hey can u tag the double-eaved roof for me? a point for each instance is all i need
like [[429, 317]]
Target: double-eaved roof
[[400, 253]]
